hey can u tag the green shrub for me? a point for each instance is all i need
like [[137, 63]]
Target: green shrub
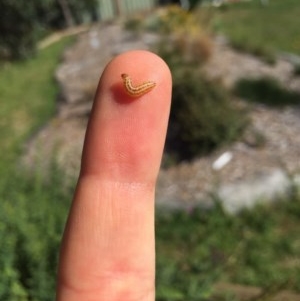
[[32, 211], [186, 268], [134, 24], [23, 22], [202, 116], [32, 218], [194, 4], [198, 248], [297, 69], [266, 90], [173, 19], [17, 27]]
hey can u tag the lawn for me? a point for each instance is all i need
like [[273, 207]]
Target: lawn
[[261, 29], [28, 98]]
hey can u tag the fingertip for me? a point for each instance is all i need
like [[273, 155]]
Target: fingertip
[[125, 131], [141, 66]]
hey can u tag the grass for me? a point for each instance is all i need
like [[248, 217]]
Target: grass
[[262, 30], [29, 248], [267, 91], [27, 92], [195, 249], [32, 218], [258, 248]]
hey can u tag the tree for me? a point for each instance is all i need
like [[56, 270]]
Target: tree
[[66, 12], [23, 22], [17, 23]]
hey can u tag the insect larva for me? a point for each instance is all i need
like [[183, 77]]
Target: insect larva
[[138, 90]]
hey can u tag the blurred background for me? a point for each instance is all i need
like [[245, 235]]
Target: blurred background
[[227, 200]]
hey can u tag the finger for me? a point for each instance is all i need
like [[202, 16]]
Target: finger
[[108, 246]]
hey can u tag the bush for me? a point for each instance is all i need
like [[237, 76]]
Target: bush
[[17, 27], [183, 38], [23, 22], [297, 69], [266, 90], [174, 20], [185, 268], [134, 24], [32, 218], [202, 116]]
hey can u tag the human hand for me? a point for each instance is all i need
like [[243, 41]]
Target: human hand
[[108, 248]]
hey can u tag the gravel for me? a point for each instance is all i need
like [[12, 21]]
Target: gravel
[[255, 171]]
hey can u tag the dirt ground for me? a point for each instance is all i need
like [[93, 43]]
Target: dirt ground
[[189, 184]]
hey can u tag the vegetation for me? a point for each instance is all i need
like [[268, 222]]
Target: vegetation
[[27, 92], [32, 212], [267, 91], [297, 69], [203, 116], [198, 248], [259, 29], [22, 23], [32, 218], [195, 248]]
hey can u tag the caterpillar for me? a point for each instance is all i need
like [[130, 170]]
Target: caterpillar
[[136, 91]]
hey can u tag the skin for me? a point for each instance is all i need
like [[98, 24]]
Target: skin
[[108, 248]]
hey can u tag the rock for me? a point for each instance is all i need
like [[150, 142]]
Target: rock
[[246, 194]]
